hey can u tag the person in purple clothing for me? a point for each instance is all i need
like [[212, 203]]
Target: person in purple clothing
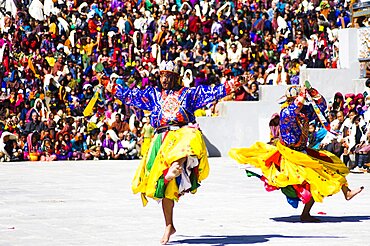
[[63, 147], [109, 144]]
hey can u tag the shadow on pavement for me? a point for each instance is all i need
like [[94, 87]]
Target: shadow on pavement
[[213, 151], [238, 239], [323, 219]]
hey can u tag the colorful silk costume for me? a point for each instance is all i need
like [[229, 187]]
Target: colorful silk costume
[[299, 172], [176, 137]]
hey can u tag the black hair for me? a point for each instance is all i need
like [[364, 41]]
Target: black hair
[[357, 117], [367, 83]]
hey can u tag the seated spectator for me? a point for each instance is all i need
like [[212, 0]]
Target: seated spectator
[[63, 147], [94, 146], [33, 125], [78, 147], [119, 125], [127, 147], [33, 146], [47, 151], [252, 92], [17, 152], [109, 144]]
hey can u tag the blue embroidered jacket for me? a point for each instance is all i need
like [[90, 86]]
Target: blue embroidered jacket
[[172, 107], [294, 122]]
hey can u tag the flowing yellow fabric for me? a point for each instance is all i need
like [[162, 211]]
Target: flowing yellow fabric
[[177, 144], [89, 108], [145, 146], [31, 66], [325, 178]]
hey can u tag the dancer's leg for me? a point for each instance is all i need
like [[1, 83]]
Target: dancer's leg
[[167, 206], [175, 169], [306, 216], [349, 194]]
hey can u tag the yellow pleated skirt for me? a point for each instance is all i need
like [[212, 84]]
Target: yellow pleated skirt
[[281, 166], [166, 148]]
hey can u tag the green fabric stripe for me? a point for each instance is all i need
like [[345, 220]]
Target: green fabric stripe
[[252, 174], [289, 191], [159, 191], [156, 145], [193, 181]]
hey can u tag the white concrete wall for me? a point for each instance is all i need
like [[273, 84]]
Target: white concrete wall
[[330, 81], [348, 52], [243, 123]]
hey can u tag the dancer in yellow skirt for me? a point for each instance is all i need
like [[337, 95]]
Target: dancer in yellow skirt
[[302, 174], [177, 161]]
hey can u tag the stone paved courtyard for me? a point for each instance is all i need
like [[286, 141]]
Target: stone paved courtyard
[[91, 203]]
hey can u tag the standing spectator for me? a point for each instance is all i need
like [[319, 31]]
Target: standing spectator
[[147, 133]]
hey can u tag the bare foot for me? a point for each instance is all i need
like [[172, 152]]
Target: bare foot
[[170, 229], [351, 193], [174, 171], [308, 218]]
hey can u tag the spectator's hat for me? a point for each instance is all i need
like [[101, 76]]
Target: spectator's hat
[[86, 86], [111, 34], [60, 46], [313, 36], [154, 71], [114, 76], [113, 135], [324, 5], [98, 67]]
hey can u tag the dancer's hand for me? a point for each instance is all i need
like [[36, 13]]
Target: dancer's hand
[[303, 91]]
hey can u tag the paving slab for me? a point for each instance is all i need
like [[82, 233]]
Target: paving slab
[[91, 203]]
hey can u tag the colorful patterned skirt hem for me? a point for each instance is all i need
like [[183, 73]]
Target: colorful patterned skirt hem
[[298, 175], [166, 148]]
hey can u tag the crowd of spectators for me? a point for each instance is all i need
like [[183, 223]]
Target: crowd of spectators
[[56, 56]]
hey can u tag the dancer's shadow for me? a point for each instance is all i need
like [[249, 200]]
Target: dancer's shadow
[[213, 151], [238, 239], [323, 219]]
